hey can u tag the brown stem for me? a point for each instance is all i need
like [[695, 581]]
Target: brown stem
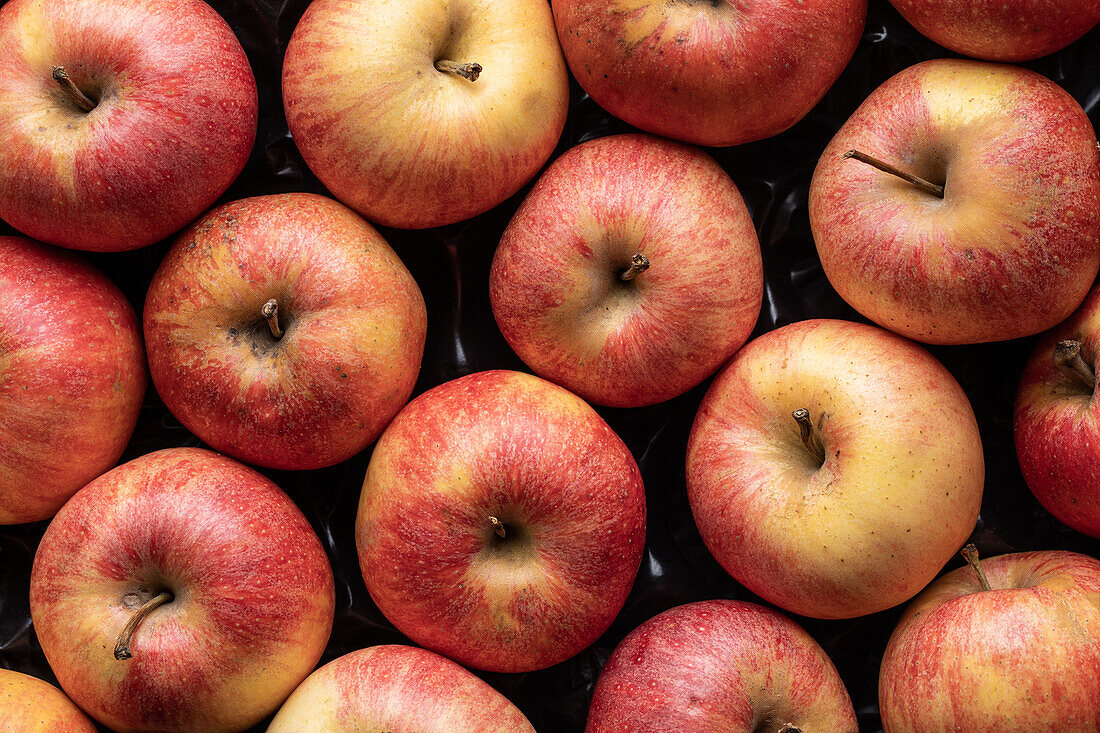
[[498, 526], [62, 78], [639, 263], [917, 181], [1067, 355], [270, 311], [811, 438], [122, 648], [970, 554], [466, 71]]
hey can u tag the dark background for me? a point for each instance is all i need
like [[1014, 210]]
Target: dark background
[[451, 264]]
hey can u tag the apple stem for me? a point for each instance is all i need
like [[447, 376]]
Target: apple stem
[[122, 648], [62, 77], [498, 526], [917, 181], [970, 554], [811, 438], [790, 728], [639, 263], [466, 71], [270, 311], [1067, 355]]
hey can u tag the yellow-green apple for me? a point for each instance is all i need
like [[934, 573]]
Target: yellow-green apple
[[958, 204], [834, 467], [501, 522], [29, 705], [1002, 30], [181, 591], [397, 688], [1057, 420], [72, 377], [1010, 645], [711, 72], [418, 113], [120, 121], [720, 667], [283, 330], [630, 273]]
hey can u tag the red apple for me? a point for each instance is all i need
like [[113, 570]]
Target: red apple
[[711, 72], [29, 705], [1002, 30], [418, 113], [996, 235], [120, 121], [72, 377], [397, 688], [833, 468], [1017, 654], [205, 580], [501, 522], [720, 667], [630, 273], [318, 380]]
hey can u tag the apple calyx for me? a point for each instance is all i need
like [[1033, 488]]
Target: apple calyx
[[82, 100], [1067, 355], [498, 527], [270, 311], [926, 186], [639, 263], [466, 71], [970, 554], [122, 648], [811, 437]]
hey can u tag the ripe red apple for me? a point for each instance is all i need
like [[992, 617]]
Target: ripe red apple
[[317, 380], [204, 580], [994, 236], [711, 72], [630, 273], [72, 377], [418, 113], [1017, 652], [833, 468], [29, 705], [1002, 30], [397, 688], [501, 522], [720, 667], [120, 121]]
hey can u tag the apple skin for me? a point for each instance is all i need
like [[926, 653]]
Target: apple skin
[[1020, 658], [541, 461], [719, 667], [72, 377], [1002, 30], [1009, 251], [29, 705], [410, 146], [896, 496], [397, 688], [710, 72], [354, 325], [253, 589], [174, 126], [555, 283]]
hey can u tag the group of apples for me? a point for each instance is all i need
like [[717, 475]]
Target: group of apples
[[834, 468]]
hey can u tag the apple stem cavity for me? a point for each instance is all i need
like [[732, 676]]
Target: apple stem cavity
[[498, 527], [466, 71], [270, 311], [82, 100], [970, 554], [811, 438], [1067, 355], [885, 167], [122, 648], [790, 728], [639, 263]]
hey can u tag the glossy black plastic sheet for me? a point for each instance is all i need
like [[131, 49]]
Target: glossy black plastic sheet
[[451, 264]]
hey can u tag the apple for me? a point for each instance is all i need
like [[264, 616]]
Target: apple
[[29, 705], [720, 667], [991, 234], [1008, 645], [630, 273], [501, 522], [72, 377], [181, 591], [120, 121], [710, 72], [284, 331], [418, 113], [397, 688], [1002, 30], [834, 467]]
